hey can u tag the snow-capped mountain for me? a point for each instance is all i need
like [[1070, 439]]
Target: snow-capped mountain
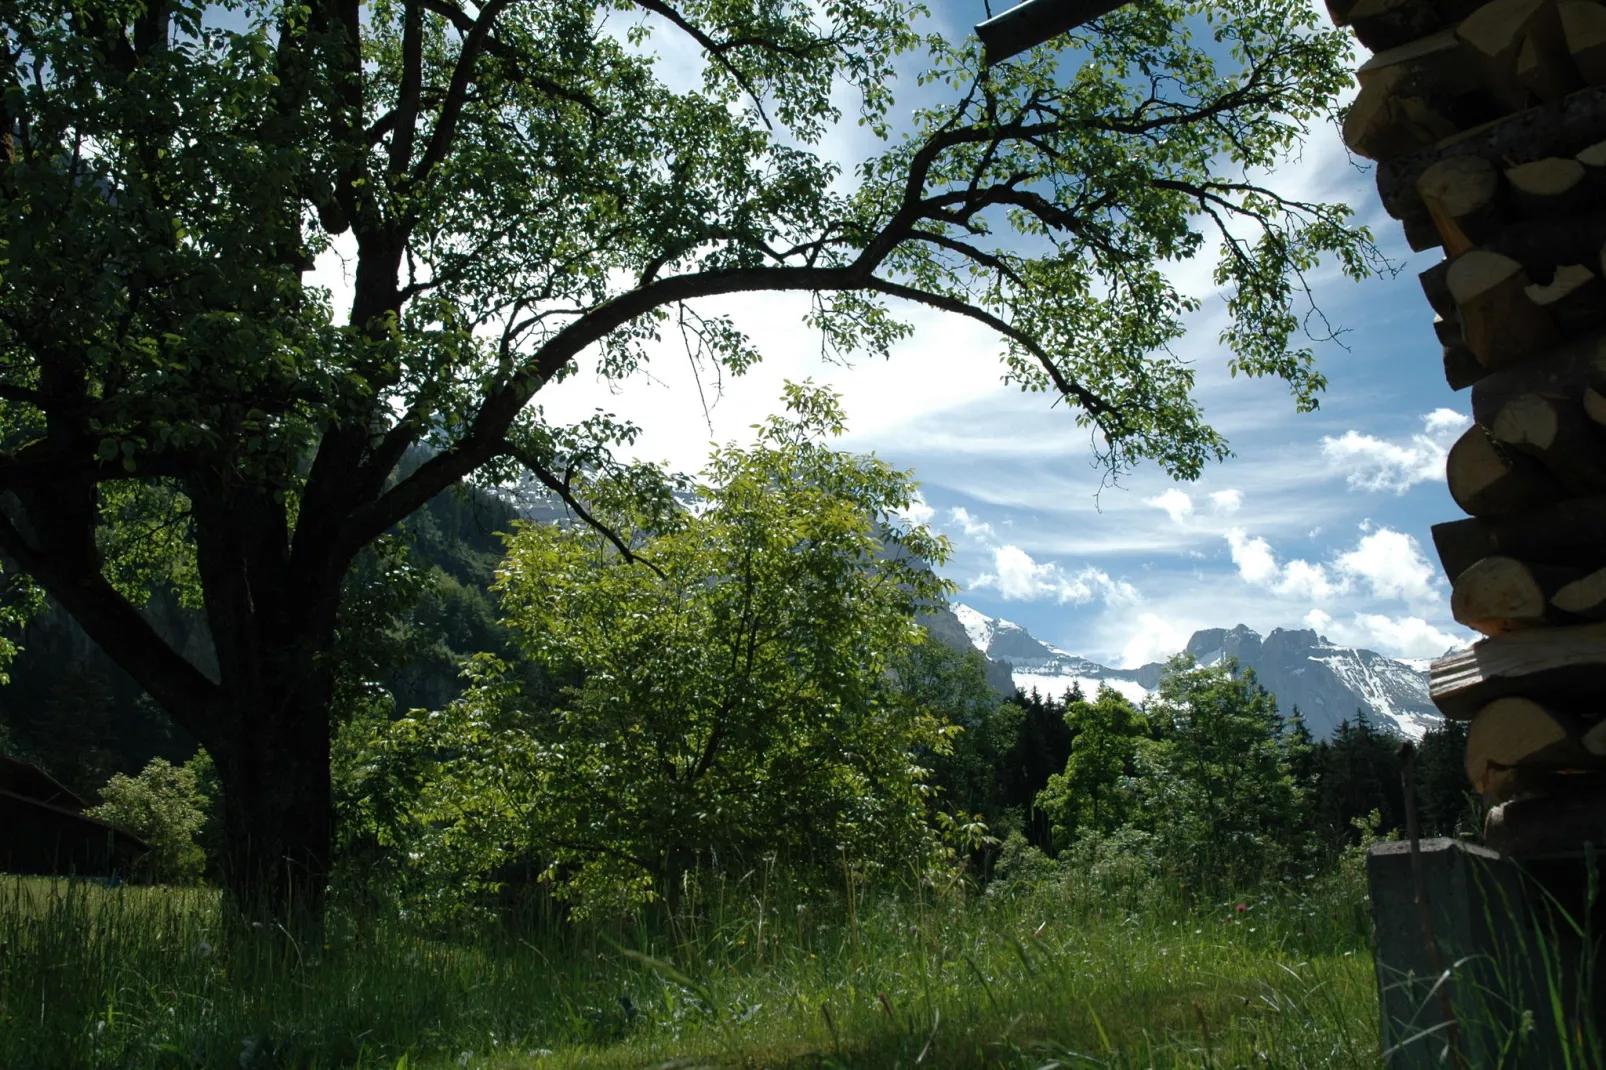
[[1036, 664], [1326, 681]]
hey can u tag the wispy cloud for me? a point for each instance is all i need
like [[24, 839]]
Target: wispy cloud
[[972, 526]]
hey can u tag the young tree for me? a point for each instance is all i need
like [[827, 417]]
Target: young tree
[[952, 686], [517, 183], [1360, 772], [1214, 783], [1104, 747], [732, 692]]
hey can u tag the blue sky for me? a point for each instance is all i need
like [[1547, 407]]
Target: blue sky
[[1319, 520]]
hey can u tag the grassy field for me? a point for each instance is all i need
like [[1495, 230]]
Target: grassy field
[[1054, 974]]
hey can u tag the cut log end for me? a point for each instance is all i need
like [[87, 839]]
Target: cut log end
[[1518, 733], [1501, 594], [1500, 323], [1488, 480]]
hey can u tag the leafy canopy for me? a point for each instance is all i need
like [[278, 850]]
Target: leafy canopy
[[522, 183], [730, 692], [1093, 791]]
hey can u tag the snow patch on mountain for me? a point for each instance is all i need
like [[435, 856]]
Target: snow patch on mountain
[[1052, 685]]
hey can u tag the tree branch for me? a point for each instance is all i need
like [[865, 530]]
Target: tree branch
[[440, 139], [561, 488], [1095, 406], [412, 81], [119, 629], [715, 49]]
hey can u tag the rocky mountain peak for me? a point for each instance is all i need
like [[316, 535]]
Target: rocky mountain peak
[[1327, 682]]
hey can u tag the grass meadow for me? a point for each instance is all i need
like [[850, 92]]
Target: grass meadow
[[1054, 972]]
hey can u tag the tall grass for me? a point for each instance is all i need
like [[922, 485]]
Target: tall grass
[[1057, 970]]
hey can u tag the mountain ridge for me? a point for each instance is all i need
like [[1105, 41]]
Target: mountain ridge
[[1328, 682]]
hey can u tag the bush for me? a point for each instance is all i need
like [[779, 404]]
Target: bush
[[164, 806]]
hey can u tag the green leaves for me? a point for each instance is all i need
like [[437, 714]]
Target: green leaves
[[165, 806]]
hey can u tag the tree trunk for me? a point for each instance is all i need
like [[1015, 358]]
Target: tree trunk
[[278, 803]]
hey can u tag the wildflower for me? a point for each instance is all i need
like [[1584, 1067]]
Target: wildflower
[[1242, 908], [203, 950]]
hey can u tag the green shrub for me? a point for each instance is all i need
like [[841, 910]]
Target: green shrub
[[166, 807]]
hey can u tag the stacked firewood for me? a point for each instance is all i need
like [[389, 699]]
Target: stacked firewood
[[1488, 123]]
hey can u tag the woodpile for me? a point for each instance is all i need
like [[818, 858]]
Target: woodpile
[[1488, 124]]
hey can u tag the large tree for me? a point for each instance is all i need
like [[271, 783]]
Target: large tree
[[514, 183]]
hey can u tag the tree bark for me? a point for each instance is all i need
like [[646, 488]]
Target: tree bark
[[1583, 25], [1384, 24], [279, 805]]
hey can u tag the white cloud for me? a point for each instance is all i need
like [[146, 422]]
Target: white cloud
[[1445, 422], [1406, 637], [1397, 637], [1155, 639], [1176, 503], [1378, 464], [1257, 565], [919, 512], [1226, 502], [1017, 577], [1252, 554], [1301, 579], [1392, 564], [972, 526]]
